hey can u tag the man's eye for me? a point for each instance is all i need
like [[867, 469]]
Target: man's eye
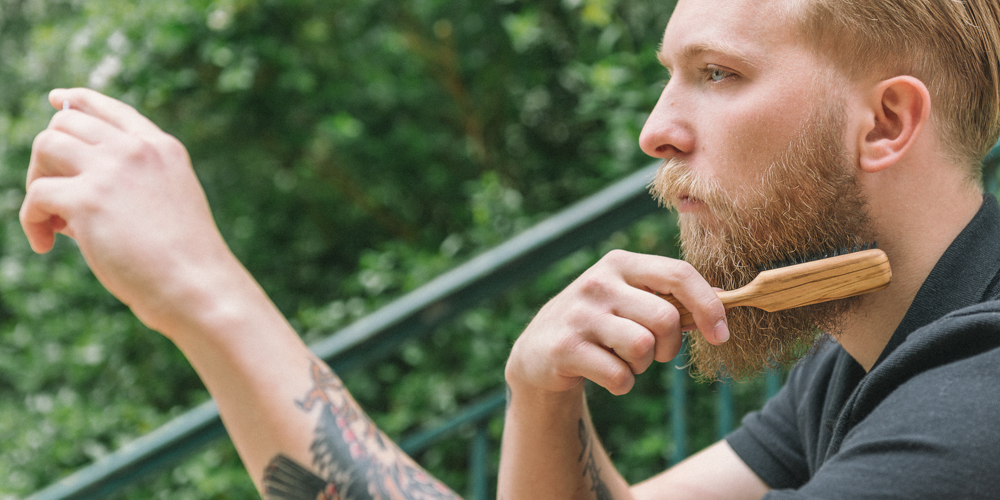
[[717, 75]]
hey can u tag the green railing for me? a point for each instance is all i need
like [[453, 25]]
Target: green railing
[[418, 312], [477, 416]]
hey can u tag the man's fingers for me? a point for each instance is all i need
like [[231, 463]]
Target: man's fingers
[[676, 277], [657, 316], [82, 126], [41, 213], [100, 106], [630, 341], [54, 154], [604, 368]]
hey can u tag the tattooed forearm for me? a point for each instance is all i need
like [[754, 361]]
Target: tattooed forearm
[[354, 460], [590, 468]]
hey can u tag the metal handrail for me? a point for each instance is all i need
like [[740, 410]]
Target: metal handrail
[[475, 413], [374, 336], [478, 416]]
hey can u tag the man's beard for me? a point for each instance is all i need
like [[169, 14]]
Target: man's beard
[[804, 203]]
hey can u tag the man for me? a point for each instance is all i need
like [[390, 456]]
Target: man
[[789, 126]]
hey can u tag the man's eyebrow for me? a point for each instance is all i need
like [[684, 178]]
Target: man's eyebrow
[[694, 50]]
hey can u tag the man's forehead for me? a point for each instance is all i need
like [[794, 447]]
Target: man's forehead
[[745, 29]]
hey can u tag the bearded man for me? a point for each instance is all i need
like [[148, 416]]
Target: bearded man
[[787, 127], [790, 128]]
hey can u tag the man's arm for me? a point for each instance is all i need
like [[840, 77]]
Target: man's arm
[[606, 327], [125, 191], [715, 473]]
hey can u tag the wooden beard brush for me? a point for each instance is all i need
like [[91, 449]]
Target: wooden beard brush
[[795, 284]]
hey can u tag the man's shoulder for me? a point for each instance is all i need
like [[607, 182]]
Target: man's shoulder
[[966, 335], [959, 335], [942, 396], [930, 408], [956, 352]]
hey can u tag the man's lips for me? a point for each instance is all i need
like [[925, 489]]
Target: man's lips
[[687, 203]]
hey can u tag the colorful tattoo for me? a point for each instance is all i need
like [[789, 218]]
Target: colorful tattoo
[[354, 460], [590, 468]]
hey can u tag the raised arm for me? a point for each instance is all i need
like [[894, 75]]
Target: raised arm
[[607, 327], [125, 191]]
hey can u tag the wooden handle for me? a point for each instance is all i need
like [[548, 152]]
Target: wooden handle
[[800, 285]]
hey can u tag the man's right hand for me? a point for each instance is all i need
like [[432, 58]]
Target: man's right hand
[[609, 325], [108, 177]]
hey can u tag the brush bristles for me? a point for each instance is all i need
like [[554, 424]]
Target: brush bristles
[[825, 255]]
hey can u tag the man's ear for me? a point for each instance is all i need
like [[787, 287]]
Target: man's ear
[[900, 108]]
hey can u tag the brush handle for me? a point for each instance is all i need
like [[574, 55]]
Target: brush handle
[[800, 285]]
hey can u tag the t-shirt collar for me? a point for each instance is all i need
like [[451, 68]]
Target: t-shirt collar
[[967, 273]]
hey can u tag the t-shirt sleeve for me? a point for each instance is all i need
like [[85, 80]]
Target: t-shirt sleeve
[[769, 440], [934, 437]]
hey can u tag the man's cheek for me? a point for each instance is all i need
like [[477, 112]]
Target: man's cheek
[[762, 129]]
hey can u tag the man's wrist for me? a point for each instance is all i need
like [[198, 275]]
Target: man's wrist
[[199, 301], [529, 397]]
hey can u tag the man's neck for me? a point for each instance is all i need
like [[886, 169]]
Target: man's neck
[[914, 230]]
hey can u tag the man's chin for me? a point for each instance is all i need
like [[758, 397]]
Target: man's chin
[[699, 223], [761, 340], [756, 344]]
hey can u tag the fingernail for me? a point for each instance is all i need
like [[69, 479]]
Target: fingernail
[[721, 331], [65, 105]]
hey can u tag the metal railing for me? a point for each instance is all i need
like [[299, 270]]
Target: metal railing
[[418, 312], [477, 416]]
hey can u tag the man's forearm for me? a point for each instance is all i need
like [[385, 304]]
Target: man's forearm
[[550, 450], [298, 431]]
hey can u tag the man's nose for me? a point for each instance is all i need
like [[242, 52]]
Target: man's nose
[[668, 131]]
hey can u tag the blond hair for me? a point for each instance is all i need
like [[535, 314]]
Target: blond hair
[[952, 46]]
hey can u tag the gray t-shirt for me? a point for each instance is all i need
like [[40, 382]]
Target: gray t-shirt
[[924, 423]]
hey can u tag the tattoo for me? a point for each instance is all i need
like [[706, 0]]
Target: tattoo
[[354, 460], [509, 395], [590, 468], [287, 480]]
